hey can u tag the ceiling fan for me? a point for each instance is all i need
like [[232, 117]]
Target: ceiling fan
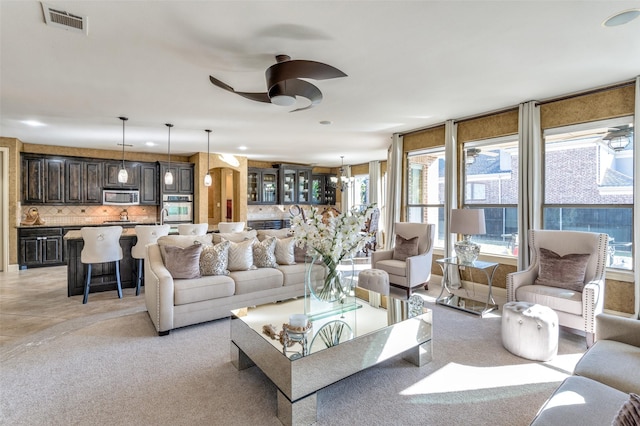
[[284, 82]]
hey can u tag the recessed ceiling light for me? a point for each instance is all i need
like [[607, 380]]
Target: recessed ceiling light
[[621, 18], [326, 122], [33, 123], [149, 143], [242, 148]]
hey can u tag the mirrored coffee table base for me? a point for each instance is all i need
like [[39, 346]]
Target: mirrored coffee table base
[[376, 338]]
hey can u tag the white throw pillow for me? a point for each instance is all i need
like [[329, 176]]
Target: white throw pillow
[[284, 251], [241, 256]]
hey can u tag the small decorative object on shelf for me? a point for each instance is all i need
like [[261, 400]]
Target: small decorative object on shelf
[[292, 334], [32, 218]]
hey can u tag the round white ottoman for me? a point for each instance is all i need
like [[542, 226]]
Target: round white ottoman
[[377, 282], [530, 331]]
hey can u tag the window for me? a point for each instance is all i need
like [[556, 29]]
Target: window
[[425, 191], [491, 183], [588, 183]]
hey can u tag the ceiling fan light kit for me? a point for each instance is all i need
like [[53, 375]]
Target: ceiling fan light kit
[[284, 84]]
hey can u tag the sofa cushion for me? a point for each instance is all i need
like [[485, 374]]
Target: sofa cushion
[[393, 267], [256, 280], [613, 363], [629, 413], [284, 251], [241, 256], [182, 262], [203, 288], [264, 255], [580, 401], [235, 237], [405, 248], [558, 299], [278, 233], [215, 259], [566, 271], [296, 274]]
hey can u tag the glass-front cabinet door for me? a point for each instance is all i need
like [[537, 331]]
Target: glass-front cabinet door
[[289, 187], [317, 189], [253, 179], [304, 181], [269, 187]]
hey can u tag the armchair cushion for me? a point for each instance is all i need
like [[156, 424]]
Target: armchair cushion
[[566, 271], [183, 262], [405, 248]]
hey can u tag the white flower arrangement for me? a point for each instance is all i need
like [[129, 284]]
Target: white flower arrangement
[[333, 238]]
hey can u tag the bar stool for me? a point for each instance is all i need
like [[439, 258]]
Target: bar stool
[[101, 245], [228, 227], [193, 228], [147, 234]]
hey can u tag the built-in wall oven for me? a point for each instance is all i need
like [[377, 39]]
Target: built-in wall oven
[[177, 208]]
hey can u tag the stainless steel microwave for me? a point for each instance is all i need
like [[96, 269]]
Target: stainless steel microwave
[[121, 197]]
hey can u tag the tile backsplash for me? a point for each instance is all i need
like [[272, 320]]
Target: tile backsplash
[[78, 215]]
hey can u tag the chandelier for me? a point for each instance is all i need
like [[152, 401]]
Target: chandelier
[[341, 181]]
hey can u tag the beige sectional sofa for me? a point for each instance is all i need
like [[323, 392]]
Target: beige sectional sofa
[[603, 379], [173, 302]]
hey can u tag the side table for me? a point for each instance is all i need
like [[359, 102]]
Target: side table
[[448, 298]]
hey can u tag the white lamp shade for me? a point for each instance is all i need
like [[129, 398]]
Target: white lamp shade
[[207, 180], [168, 178], [467, 221], [123, 176]]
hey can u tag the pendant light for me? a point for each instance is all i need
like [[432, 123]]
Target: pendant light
[[207, 177], [123, 176], [168, 176]]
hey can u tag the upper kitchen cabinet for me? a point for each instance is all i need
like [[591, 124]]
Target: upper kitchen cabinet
[[42, 179], [294, 184], [322, 189], [262, 186], [83, 181], [111, 169], [149, 184], [182, 178]]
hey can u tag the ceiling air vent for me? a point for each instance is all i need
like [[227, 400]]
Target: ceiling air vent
[[65, 20]]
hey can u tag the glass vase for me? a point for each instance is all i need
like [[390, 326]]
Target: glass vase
[[329, 287]]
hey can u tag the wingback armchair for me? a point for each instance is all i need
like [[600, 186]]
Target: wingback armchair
[[567, 274], [409, 263]]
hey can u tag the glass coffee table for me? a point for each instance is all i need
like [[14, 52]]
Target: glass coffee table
[[372, 336]]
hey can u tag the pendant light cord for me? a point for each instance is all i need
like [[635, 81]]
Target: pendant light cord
[[169, 145], [123, 120]]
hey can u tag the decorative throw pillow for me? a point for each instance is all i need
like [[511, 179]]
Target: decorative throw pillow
[[182, 241], [405, 248], [300, 253], [566, 271], [629, 413], [263, 234], [264, 255], [285, 252], [214, 259], [183, 262], [241, 256]]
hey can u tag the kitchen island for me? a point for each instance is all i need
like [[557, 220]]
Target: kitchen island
[[103, 275]]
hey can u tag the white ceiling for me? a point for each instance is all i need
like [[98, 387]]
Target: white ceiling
[[410, 64]]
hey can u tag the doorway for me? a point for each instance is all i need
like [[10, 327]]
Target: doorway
[[223, 202]]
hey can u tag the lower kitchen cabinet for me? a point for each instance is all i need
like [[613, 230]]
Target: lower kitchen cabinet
[[40, 247]]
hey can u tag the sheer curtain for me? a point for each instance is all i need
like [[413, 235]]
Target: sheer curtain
[[374, 190], [530, 184], [394, 188], [451, 180]]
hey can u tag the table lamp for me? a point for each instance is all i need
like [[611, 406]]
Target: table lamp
[[467, 222]]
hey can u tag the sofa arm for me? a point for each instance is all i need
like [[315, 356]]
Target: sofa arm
[[419, 269], [158, 290], [517, 279], [619, 329]]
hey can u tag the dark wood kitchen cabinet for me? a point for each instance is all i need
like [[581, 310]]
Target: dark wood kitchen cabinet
[[40, 247], [111, 170], [262, 186], [294, 184], [323, 191], [83, 181], [42, 179], [149, 184], [182, 178]]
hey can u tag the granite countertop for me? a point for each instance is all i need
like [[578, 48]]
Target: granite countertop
[[76, 225], [77, 235]]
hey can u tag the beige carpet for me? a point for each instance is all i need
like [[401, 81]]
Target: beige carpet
[[112, 369]]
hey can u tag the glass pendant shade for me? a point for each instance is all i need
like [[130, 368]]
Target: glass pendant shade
[[207, 177], [168, 176], [123, 176]]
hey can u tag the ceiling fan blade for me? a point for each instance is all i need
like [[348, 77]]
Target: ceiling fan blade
[[295, 87], [260, 97], [288, 70]]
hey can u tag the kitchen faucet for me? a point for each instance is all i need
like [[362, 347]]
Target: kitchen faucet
[[164, 212]]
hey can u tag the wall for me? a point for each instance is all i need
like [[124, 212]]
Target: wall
[[14, 146]]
